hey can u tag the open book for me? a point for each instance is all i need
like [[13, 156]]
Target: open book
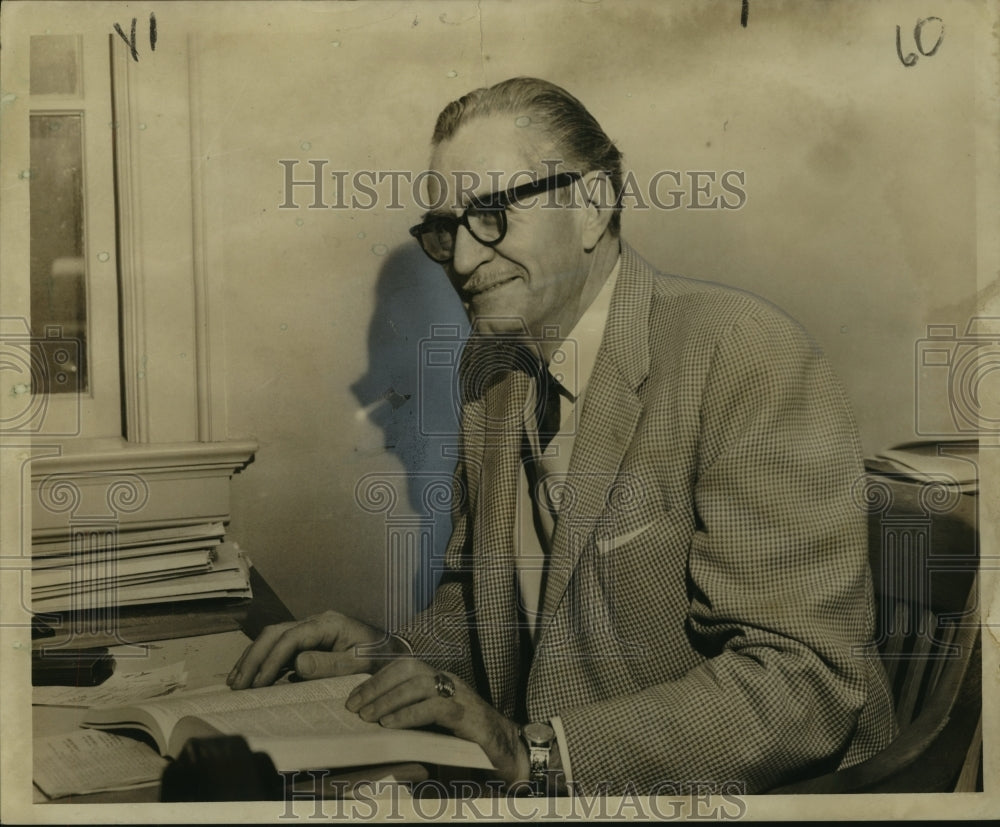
[[299, 725]]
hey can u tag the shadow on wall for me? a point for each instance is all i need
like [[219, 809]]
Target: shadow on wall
[[414, 338]]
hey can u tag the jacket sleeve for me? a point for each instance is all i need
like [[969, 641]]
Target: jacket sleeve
[[780, 589], [442, 634]]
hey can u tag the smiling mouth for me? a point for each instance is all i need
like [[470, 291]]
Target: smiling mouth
[[470, 294]]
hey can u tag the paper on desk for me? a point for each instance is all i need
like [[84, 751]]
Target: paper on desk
[[90, 761], [930, 461], [121, 688]]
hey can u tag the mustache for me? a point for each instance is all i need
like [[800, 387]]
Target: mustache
[[480, 282]]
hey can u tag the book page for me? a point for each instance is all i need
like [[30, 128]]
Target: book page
[[328, 717], [167, 712], [85, 762], [225, 699], [377, 746], [300, 725]]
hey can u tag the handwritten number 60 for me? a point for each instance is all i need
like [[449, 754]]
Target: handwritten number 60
[[918, 38]]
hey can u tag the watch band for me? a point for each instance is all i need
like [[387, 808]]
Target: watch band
[[539, 738]]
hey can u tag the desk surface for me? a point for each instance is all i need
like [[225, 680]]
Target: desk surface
[[208, 636]]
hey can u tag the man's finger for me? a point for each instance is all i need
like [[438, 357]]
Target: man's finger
[[307, 636], [253, 654], [312, 665], [384, 680], [277, 646], [434, 710], [398, 697]]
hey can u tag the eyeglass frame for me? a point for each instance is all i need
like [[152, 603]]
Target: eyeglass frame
[[494, 201]]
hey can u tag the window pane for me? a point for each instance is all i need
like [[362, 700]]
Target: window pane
[[58, 269], [55, 64]]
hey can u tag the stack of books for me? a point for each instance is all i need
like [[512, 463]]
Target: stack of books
[[95, 571]]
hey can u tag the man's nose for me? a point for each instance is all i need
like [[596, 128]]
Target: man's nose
[[469, 253]]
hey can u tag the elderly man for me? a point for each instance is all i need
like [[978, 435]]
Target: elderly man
[[664, 582]]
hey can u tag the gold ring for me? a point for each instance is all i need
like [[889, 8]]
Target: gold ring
[[444, 685]]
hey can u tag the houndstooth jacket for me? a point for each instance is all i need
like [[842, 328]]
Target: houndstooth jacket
[[708, 595]]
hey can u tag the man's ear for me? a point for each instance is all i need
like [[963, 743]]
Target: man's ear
[[598, 201]]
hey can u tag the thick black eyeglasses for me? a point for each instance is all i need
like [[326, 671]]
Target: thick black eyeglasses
[[485, 218]]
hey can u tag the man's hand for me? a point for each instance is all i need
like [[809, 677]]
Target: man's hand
[[404, 695], [319, 647]]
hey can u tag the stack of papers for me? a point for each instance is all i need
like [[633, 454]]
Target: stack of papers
[[942, 462], [120, 688], [136, 568]]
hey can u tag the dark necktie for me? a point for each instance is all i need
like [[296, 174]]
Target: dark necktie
[[547, 413], [487, 359]]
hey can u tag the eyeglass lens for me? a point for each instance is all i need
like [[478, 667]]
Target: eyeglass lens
[[485, 220], [437, 235]]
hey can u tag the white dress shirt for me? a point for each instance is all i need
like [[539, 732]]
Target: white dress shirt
[[571, 366]]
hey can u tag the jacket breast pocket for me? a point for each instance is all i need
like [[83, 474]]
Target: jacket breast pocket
[[609, 544], [639, 574]]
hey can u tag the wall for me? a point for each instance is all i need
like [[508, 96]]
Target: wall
[[859, 221]]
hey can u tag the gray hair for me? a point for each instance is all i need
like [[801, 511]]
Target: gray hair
[[572, 129]]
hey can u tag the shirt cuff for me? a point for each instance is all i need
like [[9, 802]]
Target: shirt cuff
[[556, 724]]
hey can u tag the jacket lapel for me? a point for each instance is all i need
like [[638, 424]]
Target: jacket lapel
[[494, 581], [607, 424]]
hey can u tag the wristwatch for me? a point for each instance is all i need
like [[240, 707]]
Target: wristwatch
[[539, 737]]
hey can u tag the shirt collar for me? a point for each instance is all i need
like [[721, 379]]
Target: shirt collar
[[572, 362]]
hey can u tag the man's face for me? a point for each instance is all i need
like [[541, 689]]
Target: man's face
[[532, 278]]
